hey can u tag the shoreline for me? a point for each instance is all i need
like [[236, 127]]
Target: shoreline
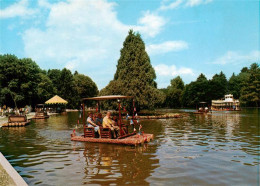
[[9, 176]]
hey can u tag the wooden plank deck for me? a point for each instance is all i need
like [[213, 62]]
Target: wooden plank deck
[[131, 140]]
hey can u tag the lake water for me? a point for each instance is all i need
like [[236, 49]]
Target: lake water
[[221, 148]]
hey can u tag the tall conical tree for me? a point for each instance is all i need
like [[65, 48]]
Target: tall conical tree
[[135, 75]]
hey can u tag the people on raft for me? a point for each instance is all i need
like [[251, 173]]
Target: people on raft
[[91, 123], [99, 119], [109, 123]]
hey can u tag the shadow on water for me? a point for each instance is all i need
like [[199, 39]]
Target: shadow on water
[[218, 148]]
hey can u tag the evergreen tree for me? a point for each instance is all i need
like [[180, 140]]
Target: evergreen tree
[[135, 75]]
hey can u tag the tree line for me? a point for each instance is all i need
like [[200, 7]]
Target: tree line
[[23, 82], [244, 86]]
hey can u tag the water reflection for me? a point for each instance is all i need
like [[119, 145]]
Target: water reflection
[[218, 148], [195, 148], [106, 164]]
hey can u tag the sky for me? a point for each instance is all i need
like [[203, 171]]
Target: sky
[[182, 37]]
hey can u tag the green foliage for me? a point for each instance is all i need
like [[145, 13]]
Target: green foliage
[[196, 92], [135, 75], [22, 83], [18, 80], [218, 86], [174, 93], [45, 89], [85, 87], [250, 92]]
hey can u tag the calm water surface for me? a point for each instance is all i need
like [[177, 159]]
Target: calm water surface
[[221, 148]]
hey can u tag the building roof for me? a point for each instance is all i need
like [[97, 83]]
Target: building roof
[[56, 100]]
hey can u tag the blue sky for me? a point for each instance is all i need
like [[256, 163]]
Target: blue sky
[[182, 37]]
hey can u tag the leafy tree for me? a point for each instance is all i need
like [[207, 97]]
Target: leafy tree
[[45, 88], [174, 93], [67, 88], [218, 86], [55, 77], [196, 92], [250, 92], [18, 79], [234, 85], [135, 75], [85, 86], [236, 82]]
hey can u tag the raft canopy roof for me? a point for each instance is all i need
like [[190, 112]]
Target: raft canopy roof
[[56, 100], [99, 98]]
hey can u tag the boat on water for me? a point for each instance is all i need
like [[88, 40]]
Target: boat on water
[[40, 112], [16, 121], [124, 138], [202, 108], [226, 104]]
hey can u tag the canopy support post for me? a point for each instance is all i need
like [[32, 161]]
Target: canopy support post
[[98, 106], [84, 120], [133, 109], [120, 118]]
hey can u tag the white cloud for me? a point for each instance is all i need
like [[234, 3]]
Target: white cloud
[[192, 3], [166, 5], [232, 57], [151, 24], [170, 6], [44, 3], [84, 35], [168, 46], [166, 70], [17, 9]]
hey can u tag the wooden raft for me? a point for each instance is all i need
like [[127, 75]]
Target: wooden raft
[[131, 140], [16, 121], [159, 116], [40, 115]]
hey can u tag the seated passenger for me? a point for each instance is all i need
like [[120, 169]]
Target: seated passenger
[[115, 120], [99, 119], [90, 123], [109, 123]]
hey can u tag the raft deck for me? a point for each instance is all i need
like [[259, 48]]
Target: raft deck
[[16, 121], [40, 115], [134, 140]]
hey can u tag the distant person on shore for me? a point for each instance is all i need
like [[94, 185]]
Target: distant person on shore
[[109, 123], [90, 123]]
